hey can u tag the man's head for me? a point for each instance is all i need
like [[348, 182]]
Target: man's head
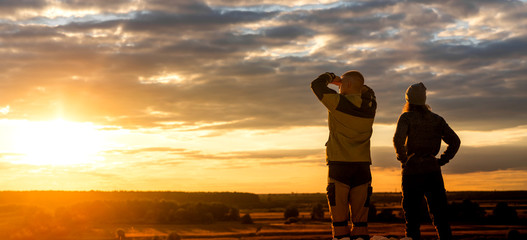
[[351, 83]]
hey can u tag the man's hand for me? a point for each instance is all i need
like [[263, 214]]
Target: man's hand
[[337, 81], [403, 164]]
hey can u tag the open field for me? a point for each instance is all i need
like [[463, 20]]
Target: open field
[[272, 227], [92, 216]]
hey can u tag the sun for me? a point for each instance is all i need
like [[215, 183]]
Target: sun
[[58, 142]]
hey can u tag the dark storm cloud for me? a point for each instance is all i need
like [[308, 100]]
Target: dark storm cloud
[[9, 6], [288, 32], [467, 160], [249, 66], [468, 57], [153, 21]]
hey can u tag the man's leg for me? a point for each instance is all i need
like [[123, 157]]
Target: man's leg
[[360, 203], [337, 194], [412, 200], [438, 207]]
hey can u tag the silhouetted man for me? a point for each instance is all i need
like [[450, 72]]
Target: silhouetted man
[[350, 120]]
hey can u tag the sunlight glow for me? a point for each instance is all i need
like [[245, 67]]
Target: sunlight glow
[[163, 78], [58, 142], [5, 110], [320, 42]]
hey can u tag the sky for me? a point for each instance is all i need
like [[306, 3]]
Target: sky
[[215, 95]]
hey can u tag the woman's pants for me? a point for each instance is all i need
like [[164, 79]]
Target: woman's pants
[[430, 186]]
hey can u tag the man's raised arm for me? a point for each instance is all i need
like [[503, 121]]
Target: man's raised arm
[[320, 88]]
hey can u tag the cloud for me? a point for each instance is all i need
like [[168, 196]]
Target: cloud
[[241, 65], [488, 159], [467, 160], [190, 155], [146, 150], [27, 4]]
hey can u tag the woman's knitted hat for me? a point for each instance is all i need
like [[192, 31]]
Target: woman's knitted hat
[[416, 94]]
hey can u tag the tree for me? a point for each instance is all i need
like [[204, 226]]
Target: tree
[[234, 214]]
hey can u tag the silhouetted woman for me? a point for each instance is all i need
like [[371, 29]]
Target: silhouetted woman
[[417, 141]]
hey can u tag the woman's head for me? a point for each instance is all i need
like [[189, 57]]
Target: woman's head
[[416, 99], [416, 94]]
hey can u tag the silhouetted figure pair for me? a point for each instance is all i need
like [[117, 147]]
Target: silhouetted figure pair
[[417, 141]]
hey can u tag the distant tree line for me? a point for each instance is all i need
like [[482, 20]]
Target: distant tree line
[[465, 211], [61, 198], [53, 199], [147, 211]]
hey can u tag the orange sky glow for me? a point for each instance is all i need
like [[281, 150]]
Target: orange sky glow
[[63, 155], [214, 95]]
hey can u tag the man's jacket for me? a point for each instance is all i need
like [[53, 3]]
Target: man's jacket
[[350, 121]]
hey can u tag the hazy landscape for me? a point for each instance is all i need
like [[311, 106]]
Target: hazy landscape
[[231, 215], [182, 115]]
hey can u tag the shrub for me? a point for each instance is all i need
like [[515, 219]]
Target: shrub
[[120, 234], [246, 219], [387, 215], [318, 212], [503, 213], [372, 213], [514, 235], [291, 220], [291, 211], [173, 236], [466, 211]]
